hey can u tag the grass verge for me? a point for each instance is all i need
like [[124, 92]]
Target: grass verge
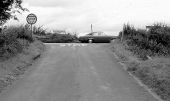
[[154, 72], [13, 68], [18, 51]]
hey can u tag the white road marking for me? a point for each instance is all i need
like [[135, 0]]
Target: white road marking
[[72, 45], [83, 44], [62, 45], [69, 44]]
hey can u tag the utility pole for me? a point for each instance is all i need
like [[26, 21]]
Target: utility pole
[[122, 36], [91, 28], [122, 33]]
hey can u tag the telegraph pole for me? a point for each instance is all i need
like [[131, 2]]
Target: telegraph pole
[[122, 36], [91, 28]]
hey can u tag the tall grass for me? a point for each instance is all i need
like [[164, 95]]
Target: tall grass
[[151, 42], [155, 41], [10, 40], [39, 31]]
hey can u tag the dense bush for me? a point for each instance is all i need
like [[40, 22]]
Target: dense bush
[[10, 43], [59, 38], [9, 46], [155, 41], [39, 31], [21, 32]]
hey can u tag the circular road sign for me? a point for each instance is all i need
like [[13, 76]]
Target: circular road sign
[[31, 19]]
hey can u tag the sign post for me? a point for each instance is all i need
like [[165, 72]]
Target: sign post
[[31, 19]]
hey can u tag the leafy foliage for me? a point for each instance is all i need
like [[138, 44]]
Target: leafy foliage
[[9, 8], [10, 43], [155, 41], [39, 31], [59, 38]]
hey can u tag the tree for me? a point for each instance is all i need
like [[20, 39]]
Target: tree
[[8, 9]]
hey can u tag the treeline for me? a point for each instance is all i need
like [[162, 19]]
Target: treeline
[[59, 38], [152, 42]]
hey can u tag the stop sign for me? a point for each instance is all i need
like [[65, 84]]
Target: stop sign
[[31, 19]]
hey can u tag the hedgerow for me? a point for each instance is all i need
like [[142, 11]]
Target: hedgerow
[[151, 42], [10, 43], [59, 38]]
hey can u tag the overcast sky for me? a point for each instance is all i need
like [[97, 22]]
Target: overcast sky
[[105, 15]]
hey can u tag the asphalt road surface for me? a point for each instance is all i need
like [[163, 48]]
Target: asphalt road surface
[[76, 72]]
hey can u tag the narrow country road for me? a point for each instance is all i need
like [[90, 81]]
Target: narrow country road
[[76, 72]]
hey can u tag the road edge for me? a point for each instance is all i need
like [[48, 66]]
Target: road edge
[[19, 72], [138, 80]]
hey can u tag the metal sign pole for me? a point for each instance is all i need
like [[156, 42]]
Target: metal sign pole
[[31, 32], [31, 19]]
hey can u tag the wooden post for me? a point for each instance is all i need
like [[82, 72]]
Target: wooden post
[[122, 36]]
